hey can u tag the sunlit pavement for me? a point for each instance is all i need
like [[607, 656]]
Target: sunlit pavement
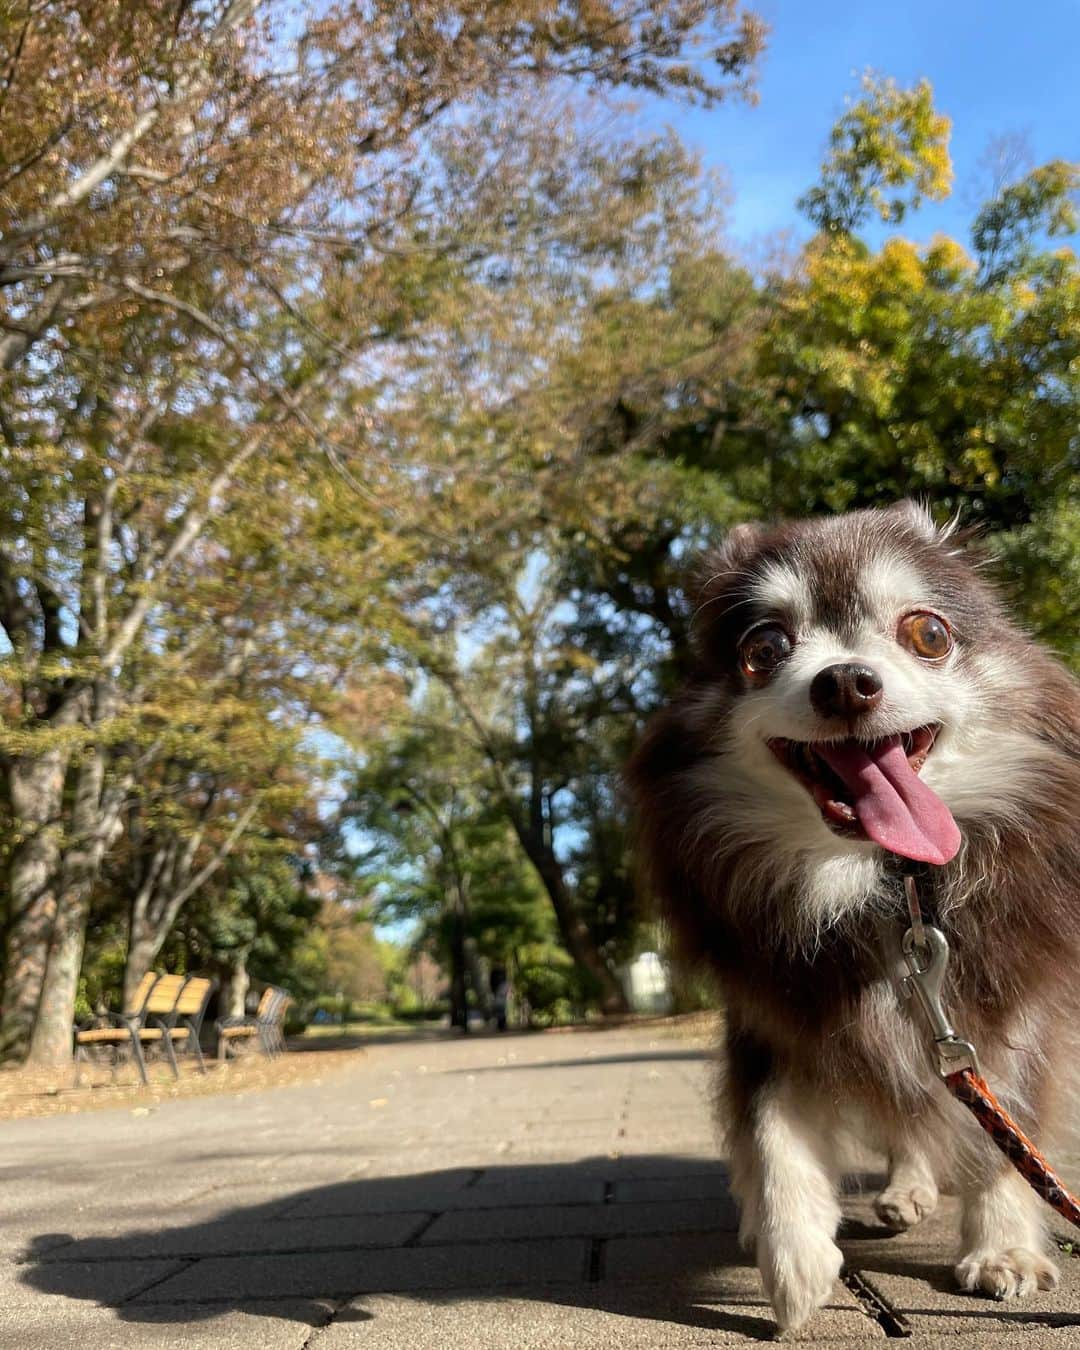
[[529, 1191]]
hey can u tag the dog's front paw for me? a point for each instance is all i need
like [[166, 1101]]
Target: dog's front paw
[[902, 1207], [798, 1271], [1011, 1274]]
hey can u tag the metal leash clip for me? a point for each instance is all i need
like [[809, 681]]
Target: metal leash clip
[[927, 957]]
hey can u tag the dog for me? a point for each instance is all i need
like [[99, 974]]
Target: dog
[[861, 703]]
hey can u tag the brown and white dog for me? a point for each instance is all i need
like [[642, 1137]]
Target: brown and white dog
[[861, 697]]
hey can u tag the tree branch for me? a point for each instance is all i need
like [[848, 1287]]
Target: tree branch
[[22, 335], [207, 871], [187, 87], [16, 616], [191, 523]]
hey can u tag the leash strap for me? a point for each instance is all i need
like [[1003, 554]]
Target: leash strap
[[972, 1089], [926, 953]]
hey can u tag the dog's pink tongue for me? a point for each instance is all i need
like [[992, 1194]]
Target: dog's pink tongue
[[894, 806]]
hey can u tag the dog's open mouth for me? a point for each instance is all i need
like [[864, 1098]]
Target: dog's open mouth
[[872, 790], [807, 762]]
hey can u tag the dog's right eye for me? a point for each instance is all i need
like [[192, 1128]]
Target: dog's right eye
[[763, 650]]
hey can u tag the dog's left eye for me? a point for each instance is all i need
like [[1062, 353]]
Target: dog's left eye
[[763, 649], [925, 634]]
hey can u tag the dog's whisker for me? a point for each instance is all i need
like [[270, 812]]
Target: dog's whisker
[[712, 601]]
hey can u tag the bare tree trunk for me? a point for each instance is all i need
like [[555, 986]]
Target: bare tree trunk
[[95, 820], [235, 992], [170, 880], [51, 1042], [150, 927], [478, 980], [532, 835], [140, 957], [37, 788], [459, 998], [143, 945], [573, 930]]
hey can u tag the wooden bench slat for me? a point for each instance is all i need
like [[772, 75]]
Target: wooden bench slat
[[117, 1034], [165, 993], [193, 996], [143, 992]]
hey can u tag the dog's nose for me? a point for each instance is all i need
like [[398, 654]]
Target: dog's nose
[[848, 689]]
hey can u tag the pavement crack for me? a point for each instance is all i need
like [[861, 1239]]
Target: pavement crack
[[413, 1240], [893, 1323], [182, 1264], [337, 1306]]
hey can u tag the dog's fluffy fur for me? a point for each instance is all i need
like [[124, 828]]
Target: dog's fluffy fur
[[800, 924]]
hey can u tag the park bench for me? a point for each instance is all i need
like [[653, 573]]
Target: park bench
[[184, 1022], [266, 1026], [167, 1012]]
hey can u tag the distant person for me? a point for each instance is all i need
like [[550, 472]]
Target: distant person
[[500, 995]]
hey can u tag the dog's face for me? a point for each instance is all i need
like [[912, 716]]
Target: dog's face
[[861, 688]]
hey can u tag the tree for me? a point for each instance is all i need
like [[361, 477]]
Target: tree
[[217, 228], [518, 700], [435, 852], [939, 370], [181, 835], [252, 922], [353, 964], [861, 375], [886, 153]]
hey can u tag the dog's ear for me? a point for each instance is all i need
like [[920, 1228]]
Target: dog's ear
[[916, 516], [961, 538], [713, 568], [716, 572], [740, 543], [743, 539]]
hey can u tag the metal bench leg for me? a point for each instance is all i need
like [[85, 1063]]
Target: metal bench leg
[[140, 1062], [193, 1041], [171, 1055]]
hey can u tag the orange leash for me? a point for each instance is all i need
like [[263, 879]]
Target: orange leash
[[972, 1089], [926, 953]]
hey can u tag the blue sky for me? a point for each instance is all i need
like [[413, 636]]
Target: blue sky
[[996, 68]]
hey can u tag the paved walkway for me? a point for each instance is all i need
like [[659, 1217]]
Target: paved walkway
[[521, 1193]]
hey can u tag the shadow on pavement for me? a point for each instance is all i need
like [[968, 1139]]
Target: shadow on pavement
[[551, 1232], [644, 1236]]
